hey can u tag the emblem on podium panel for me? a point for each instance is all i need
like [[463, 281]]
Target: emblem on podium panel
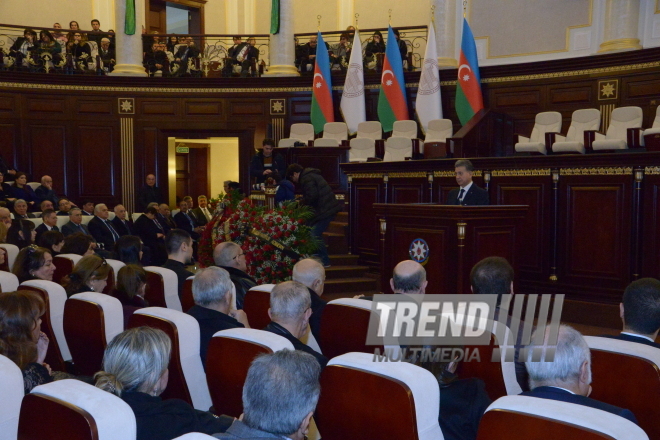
[[126, 106], [419, 251], [278, 106]]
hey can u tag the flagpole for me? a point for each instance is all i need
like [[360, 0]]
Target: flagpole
[[318, 17], [464, 8], [390, 19]]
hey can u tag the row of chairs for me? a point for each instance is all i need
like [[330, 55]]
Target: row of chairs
[[402, 145], [624, 132]]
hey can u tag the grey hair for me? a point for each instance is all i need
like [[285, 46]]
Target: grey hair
[[281, 388], [211, 286], [312, 273], [73, 211], [224, 253], [464, 163], [19, 201], [135, 360], [409, 284], [97, 208], [289, 300], [571, 352]]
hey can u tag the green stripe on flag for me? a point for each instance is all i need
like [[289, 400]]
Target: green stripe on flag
[[129, 25], [386, 115], [275, 17], [317, 116], [463, 107]]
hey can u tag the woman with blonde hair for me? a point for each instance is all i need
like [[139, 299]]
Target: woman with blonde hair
[[135, 368], [90, 274]]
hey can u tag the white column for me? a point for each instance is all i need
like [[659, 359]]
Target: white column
[[445, 32], [345, 13], [129, 47], [282, 46], [621, 26], [104, 11]]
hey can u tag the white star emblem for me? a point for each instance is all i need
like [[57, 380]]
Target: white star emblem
[[318, 85], [126, 106], [388, 82], [466, 78]]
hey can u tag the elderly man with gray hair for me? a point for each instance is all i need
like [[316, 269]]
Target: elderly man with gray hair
[[212, 310], [567, 378], [279, 397], [289, 315], [231, 258], [311, 273]]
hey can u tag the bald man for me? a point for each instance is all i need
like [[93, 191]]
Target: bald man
[[5, 217], [148, 194], [45, 191], [408, 278], [310, 273]]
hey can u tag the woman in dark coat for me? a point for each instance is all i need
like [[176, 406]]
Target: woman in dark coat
[[21, 190]]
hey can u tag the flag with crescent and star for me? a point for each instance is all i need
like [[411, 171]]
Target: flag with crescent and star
[[392, 104], [468, 87], [322, 109]]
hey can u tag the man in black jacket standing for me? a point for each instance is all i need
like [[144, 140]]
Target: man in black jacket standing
[[318, 195], [264, 164], [469, 194], [148, 194]]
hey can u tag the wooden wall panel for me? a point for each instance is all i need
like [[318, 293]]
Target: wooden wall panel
[[49, 104], [150, 154], [7, 104], [408, 190], [247, 108], [97, 163], [159, 108], [651, 229], [203, 108], [95, 107], [48, 152], [8, 143], [494, 242], [366, 238]]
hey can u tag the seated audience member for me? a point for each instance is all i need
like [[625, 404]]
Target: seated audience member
[[308, 54], [192, 213], [172, 42], [60, 37], [179, 247], [131, 284], [311, 274], [64, 206], [187, 52], [568, 377], [202, 213], [49, 218], [135, 369], [156, 61], [290, 309], [408, 278], [24, 46], [48, 45], [494, 276], [75, 224], [79, 49], [231, 258], [5, 191], [21, 233], [107, 54], [374, 47], [340, 53], [5, 217], [74, 26], [21, 338], [152, 235], [34, 263], [46, 204], [212, 309], [279, 397], [402, 46], [45, 191], [128, 249], [87, 208], [164, 217], [53, 241], [640, 312], [90, 274], [265, 164], [21, 210], [79, 244], [122, 224], [184, 220], [101, 228]]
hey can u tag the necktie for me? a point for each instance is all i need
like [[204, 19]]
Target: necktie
[[81, 228], [206, 214], [158, 224], [115, 236], [460, 196], [192, 224]]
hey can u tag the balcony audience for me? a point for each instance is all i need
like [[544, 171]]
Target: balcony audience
[[135, 368], [53, 241], [172, 42], [34, 263], [60, 37], [47, 44], [131, 284], [90, 274], [23, 47], [107, 54], [21, 233]]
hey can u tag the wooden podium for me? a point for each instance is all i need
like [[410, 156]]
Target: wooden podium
[[447, 240]]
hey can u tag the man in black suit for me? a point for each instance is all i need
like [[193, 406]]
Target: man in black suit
[[469, 194], [152, 235], [212, 309], [202, 213], [640, 312], [187, 222], [102, 229], [310, 273], [568, 377], [45, 191], [20, 210], [290, 309], [64, 206], [179, 248], [122, 225], [75, 223], [148, 194], [88, 207], [192, 212], [49, 218], [165, 218], [229, 256]]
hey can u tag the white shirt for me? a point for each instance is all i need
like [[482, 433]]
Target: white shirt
[[466, 188], [637, 335]]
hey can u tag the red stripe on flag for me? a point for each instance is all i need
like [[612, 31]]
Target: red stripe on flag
[[471, 88], [393, 92], [323, 95]]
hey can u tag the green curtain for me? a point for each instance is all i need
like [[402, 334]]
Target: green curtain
[[275, 17], [129, 26]]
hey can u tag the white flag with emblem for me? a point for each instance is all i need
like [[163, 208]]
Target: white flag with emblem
[[429, 103], [352, 99]]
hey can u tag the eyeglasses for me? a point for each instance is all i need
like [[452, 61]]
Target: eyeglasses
[[103, 263], [239, 255]]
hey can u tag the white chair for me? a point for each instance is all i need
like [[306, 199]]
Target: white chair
[[11, 384], [577, 416], [545, 122], [56, 301], [12, 252], [370, 130], [111, 216], [187, 329], [171, 286], [651, 136], [8, 282], [361, 149], [439, 130], [581, 121], [417, 383], [298, 133], [105, 413], [619, 133], [116, 266], [397, 148], [136, 215], [36, 221], [86, 219], [326, 142], [407, 128], [335, 130], [174, 212], [62, 220], [34, 185]]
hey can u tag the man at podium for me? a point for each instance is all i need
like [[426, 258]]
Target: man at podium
[[468, 193]]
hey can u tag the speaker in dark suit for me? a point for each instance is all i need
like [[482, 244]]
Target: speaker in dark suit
[[468, 193]]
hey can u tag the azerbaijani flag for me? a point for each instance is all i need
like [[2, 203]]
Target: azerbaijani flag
[[322, 109], [468, 87], [392, 105]]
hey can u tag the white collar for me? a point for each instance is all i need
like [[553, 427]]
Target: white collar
[[560, 388], [467, 188], [637, 335]]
